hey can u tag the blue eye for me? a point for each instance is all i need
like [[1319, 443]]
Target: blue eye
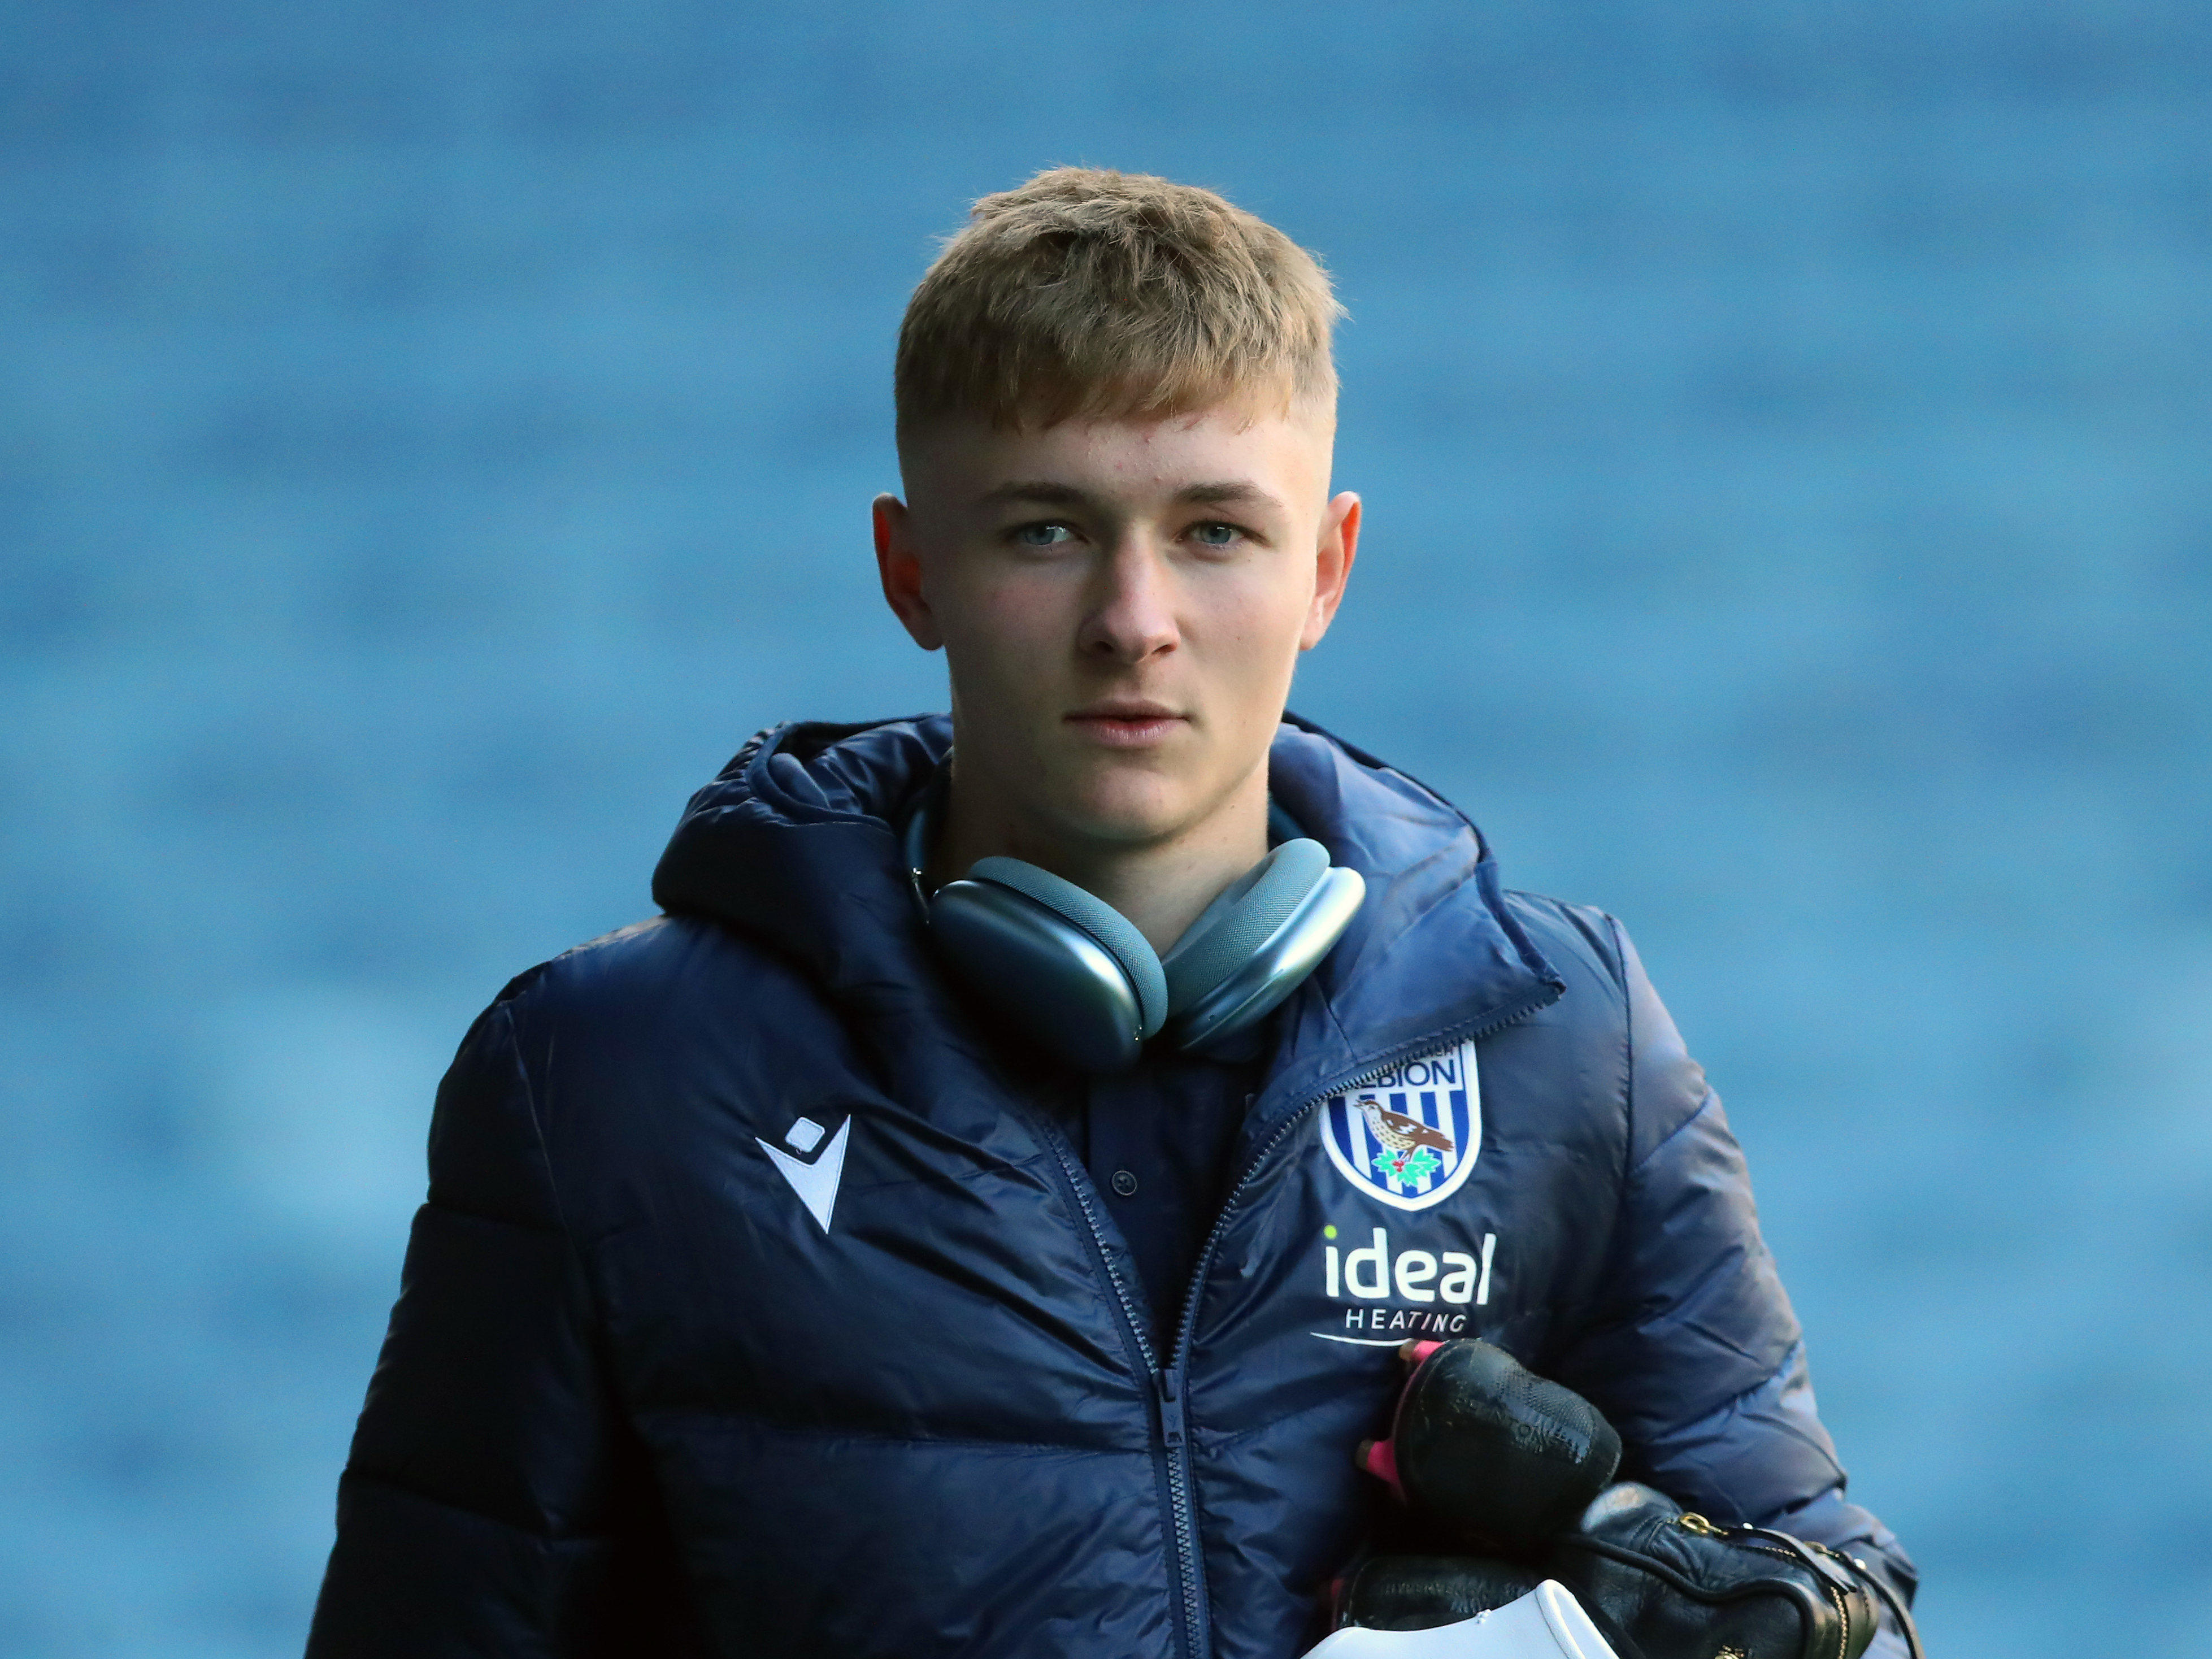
[[1214, 535], [1043, 535]]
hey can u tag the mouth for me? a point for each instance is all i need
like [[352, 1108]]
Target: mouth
[[1126, 722]]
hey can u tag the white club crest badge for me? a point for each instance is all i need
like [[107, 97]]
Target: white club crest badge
[[1409, 1137]]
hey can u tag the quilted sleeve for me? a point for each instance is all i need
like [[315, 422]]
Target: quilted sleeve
[[1692, 1351], [492, 1502]]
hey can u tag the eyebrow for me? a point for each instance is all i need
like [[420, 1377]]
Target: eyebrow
[[1041, 493], [1044, 493]]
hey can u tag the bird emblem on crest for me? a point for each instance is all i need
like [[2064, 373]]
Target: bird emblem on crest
[[1410, 1147], [1411, 1136]]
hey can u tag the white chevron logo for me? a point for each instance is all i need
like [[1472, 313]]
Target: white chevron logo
[[816, 1183]]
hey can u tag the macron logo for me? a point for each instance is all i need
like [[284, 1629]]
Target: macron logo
[[816, 1183]]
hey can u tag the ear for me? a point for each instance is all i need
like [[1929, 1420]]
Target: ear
[[1340, 546], [898, 564]]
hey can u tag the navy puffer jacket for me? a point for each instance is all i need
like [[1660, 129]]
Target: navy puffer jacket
[[757, 1309]]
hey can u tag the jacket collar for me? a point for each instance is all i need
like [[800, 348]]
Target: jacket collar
[[1434, 957], [796, 843]]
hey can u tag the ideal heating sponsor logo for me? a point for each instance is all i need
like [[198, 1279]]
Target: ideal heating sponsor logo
[[1440, 1284]]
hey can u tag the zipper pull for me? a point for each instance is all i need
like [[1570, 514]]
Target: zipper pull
[[1170, 1400]]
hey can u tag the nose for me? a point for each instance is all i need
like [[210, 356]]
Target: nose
[[1132, 616]]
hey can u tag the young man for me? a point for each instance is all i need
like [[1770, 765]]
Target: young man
[[820, 1268]]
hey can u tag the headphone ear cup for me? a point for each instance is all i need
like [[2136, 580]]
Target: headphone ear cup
[[1106, 926], [1072, 970], [1229, 931], [1221, 1020], [1047, 978]]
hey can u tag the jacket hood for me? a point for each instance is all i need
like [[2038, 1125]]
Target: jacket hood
[[796, 843]]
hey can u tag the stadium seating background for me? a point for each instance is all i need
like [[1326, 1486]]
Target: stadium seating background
[[431, 438]]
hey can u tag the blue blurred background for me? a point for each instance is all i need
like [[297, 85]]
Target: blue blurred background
[[432, 437]]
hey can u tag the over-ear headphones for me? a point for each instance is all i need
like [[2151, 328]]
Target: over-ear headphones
[[1075, 974]]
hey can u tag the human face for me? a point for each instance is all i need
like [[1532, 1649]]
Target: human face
[[1120, 604]]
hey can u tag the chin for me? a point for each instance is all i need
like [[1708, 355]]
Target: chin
[[1128, 809]]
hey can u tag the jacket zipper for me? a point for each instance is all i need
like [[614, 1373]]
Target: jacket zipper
[[1169, 1377], [1167, 1402]]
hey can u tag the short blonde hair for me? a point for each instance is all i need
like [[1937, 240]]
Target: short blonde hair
[[1089, 293]]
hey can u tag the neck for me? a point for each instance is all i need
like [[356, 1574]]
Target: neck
[[1160, 885]]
